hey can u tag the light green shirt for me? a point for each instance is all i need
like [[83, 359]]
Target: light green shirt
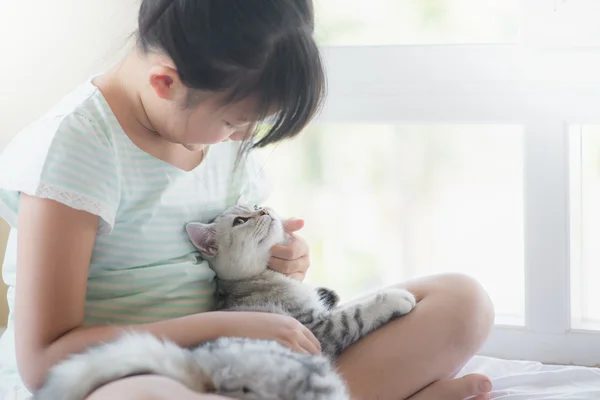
[[143, 266]]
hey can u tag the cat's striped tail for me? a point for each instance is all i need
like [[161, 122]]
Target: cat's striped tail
[[132, 354]]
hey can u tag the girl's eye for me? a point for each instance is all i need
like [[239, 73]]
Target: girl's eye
[[229, 126], [239, 221]]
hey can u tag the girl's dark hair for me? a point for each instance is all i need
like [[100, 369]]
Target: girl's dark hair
[[262, 48]]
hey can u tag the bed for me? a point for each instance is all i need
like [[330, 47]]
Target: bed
[[528, 380]]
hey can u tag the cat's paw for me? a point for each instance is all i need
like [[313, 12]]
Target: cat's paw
[[402, 300]]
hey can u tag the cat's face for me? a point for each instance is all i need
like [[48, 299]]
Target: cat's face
[[238, 242]]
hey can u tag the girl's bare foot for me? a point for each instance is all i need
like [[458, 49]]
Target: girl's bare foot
[[472, 387]]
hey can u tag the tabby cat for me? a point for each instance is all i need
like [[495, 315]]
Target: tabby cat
[[237, 247]]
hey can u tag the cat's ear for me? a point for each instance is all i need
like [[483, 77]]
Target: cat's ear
[[203, 237]]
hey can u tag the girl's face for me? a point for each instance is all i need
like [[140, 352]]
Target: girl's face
[[194, 119]]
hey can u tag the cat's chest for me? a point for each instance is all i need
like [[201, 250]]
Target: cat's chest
[[305, 295], [296, 296], [285, 292]]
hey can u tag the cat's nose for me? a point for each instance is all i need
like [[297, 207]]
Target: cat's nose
[[264, 212]]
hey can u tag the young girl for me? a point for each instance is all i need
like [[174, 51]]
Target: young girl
[[98, 192]]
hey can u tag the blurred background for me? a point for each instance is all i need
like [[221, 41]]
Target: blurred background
[[382, 202]]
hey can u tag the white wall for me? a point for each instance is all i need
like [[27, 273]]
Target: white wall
[[46, 49]]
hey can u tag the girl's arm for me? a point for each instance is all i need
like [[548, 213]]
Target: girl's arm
[[54, 249], [55, 244]]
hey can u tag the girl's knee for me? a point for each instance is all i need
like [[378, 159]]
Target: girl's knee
[[148, 387], [470, 307]]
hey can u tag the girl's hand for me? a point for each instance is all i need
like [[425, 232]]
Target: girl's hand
[[291, 259], [285, 330]]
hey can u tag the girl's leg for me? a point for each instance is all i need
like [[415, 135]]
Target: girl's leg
[[417, 355], [149, 387]]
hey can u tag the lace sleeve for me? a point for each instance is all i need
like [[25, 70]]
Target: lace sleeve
[[72, 163]]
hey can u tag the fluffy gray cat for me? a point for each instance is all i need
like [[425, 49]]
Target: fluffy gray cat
[[243, 369], [237, 247]]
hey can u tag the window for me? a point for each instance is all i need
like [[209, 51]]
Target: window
[[496, 88], [394, 22], [561, 23], [585, 225], [387, 203]]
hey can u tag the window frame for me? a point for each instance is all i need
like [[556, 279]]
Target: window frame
[[545, 90], [560, 23]]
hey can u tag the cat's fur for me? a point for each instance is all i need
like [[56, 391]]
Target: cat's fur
[[238, 250], [238, 368]]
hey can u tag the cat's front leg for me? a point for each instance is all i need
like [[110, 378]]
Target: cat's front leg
[[346, 325], [389, 303]]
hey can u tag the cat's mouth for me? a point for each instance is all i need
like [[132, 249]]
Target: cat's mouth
[[263, 228]]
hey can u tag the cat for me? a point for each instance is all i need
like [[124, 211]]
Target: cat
[[237, 246], [244, 369]]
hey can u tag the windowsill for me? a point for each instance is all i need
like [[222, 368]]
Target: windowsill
[[586, 326], [509, 321]]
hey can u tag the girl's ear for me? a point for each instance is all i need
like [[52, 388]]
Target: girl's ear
[[165, 82], [203, 237]]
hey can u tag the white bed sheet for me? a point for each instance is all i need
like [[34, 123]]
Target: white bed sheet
[[528, 380]]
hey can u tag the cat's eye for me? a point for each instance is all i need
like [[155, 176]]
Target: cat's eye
[[239, 221]]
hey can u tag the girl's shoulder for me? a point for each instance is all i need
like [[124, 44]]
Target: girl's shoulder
[[83, 111], [67, 155], [81, 122]]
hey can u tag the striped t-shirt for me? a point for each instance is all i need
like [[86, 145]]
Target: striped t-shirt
[[143, 266]]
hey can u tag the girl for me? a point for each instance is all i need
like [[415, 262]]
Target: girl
[[98, 191]]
